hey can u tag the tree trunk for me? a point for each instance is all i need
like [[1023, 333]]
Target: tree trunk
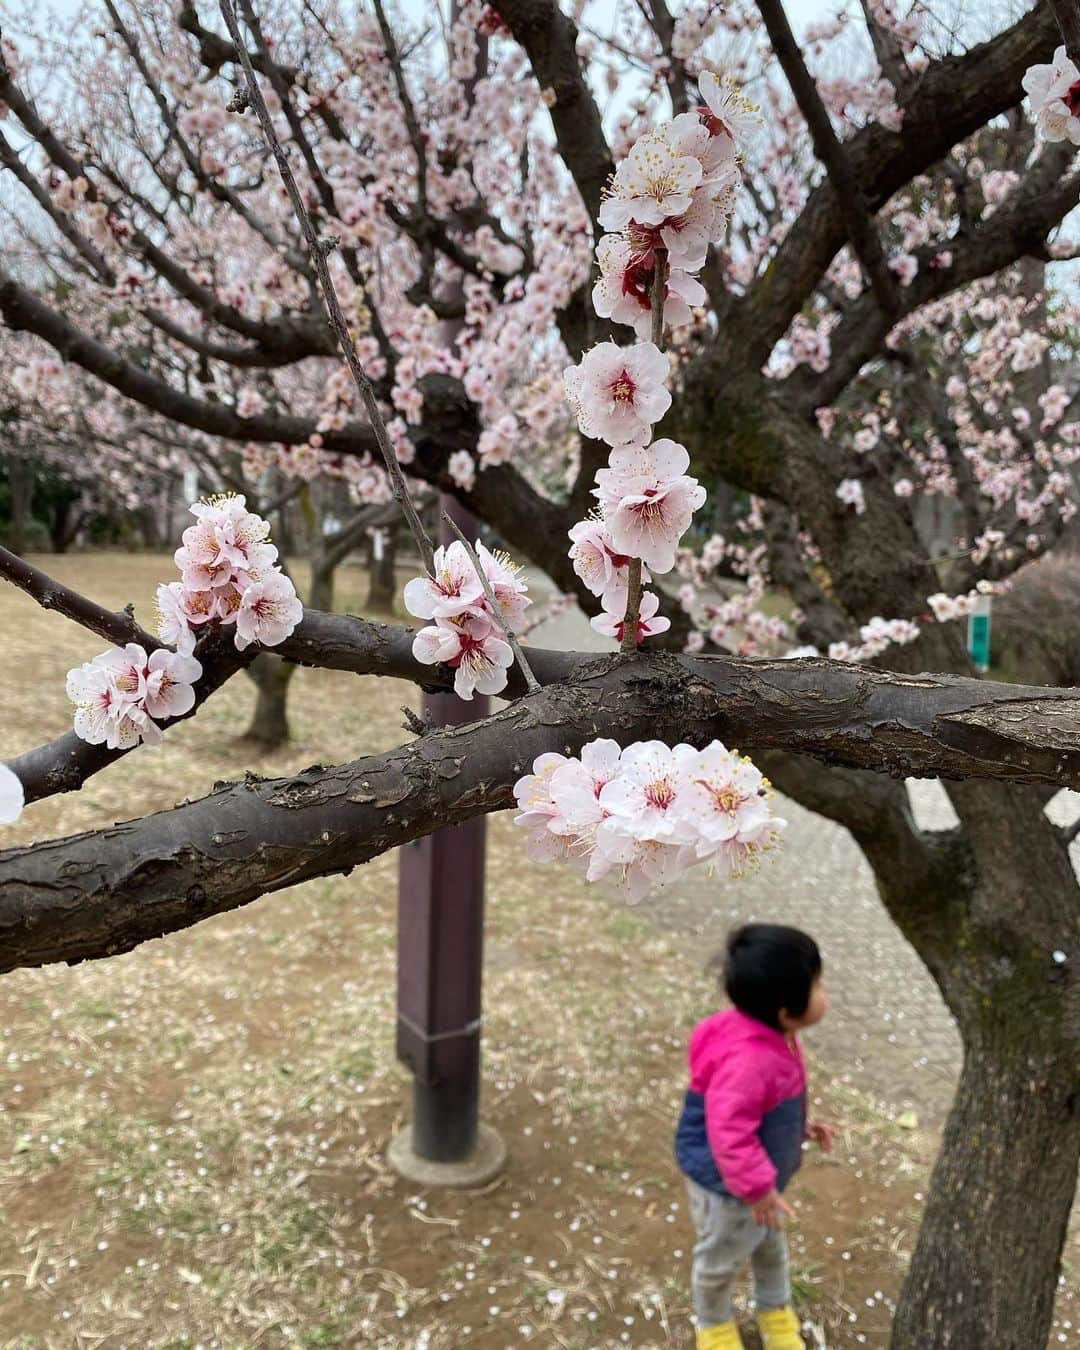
[[381, 586], [269, 726], [986, 1266], [21, 485]]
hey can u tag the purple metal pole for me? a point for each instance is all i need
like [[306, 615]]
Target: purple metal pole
[[440, 956]]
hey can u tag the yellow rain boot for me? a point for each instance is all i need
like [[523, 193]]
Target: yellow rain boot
[[780, 1329], [725, 1336]]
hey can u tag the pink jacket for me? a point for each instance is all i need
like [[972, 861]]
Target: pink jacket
[[744, 1120]]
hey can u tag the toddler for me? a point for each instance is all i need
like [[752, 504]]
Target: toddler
[[740, 1136]]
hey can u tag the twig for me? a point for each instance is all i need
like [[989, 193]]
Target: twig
[[628, 645], [530, 679], [119, 629], [828, 148], [319, 250]]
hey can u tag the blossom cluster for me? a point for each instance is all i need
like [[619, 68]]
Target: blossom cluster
[[118, 694], [647, 812], [465, 633], [669, 199], [229, 575]]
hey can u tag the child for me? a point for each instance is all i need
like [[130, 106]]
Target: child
[[740, 1136]]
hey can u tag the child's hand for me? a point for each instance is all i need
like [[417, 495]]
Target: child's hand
[[770, 1210], [823, 1135]]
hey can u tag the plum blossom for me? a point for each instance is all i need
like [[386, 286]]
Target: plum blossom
[[462, 469], [610, 621], [648, 500], [1054, 91], [168, 681], [174, 624], [619, 392], [12, 796], [850, 492], [595, 559], [532, 792], [904, 267], [647, 812], [624, 290], [470, 644], [118, 694], [269, 611], [652, 183], [727, 111], [504, 577], [454, 588]]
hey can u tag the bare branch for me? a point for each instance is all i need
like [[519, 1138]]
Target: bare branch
[[118, 629], [860, 225], [319, 249]]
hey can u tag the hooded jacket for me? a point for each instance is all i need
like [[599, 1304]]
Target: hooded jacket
[[744, 1120]]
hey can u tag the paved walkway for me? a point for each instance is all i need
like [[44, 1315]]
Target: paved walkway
[[888, 1030]]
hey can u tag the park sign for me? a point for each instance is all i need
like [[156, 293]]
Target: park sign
[[979, 634]]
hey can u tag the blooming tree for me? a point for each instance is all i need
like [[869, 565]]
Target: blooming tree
[[857, 328]]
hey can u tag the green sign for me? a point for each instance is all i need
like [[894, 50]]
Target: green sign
[[979, 640]]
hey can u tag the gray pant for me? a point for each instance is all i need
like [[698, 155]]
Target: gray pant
[[727, 1237]]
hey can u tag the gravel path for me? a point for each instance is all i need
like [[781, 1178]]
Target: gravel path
[[888, 1031]]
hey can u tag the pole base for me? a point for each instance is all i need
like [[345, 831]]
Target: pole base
[[482, 1165]]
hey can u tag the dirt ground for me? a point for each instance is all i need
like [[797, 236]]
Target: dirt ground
[[193, 1136]]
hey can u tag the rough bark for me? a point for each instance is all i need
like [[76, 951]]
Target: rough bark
[[985, 1268]]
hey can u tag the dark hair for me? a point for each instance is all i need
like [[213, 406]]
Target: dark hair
[[769, 968]]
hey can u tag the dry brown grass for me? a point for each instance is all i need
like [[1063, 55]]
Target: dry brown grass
[[193, 1136]]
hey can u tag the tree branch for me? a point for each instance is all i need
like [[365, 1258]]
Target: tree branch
[[853, 209], [101, 893]]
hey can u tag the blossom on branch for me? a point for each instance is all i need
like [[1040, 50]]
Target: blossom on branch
[[648, 500], [118, 694], [610, 622], [471, 645], [618, 393], [652, 183], [1054, 91]]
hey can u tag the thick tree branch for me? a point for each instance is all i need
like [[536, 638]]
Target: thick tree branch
[[953, 98], [105, 892]]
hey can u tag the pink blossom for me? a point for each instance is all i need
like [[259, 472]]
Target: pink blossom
[[904, 267], [454, 588], [169, 680], [595, 559], [532, 793], [610, 622], [619, 392], [470, 644], [624, 290], [12, 797], [695, 642], [1054, 91], [850, 492], [645, 796], [727, 112], [268, 613], [903, 487], [173, 626], [723, 795], [648, 500], [462, 469], [652, 183], [507, 585]]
